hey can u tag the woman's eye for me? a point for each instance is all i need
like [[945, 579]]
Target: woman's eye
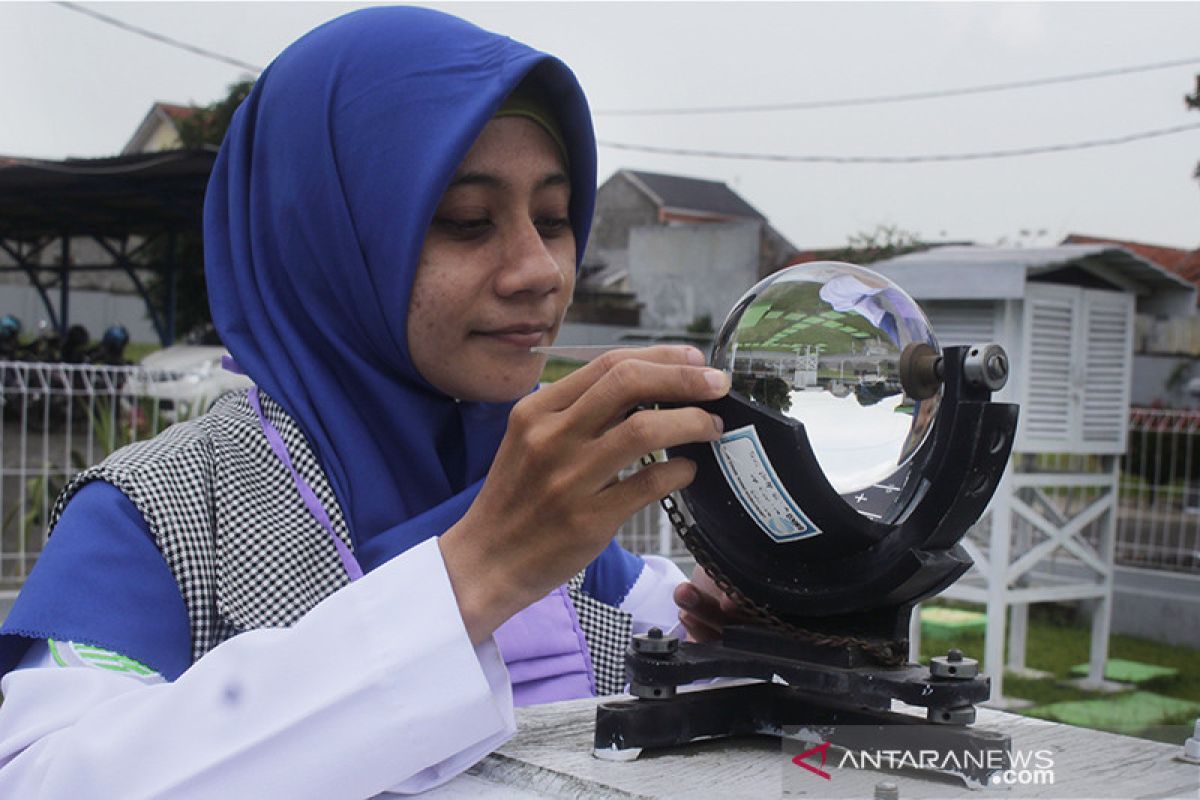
[[463, 227], [550, 227]]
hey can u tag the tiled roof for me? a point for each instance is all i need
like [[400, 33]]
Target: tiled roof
[[176, 112], [1190, 267], [1185, 263]]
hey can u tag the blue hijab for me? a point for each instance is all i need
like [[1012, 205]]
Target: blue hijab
[[315, 217]]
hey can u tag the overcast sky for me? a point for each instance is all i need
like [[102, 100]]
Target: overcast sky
[[73, 86]]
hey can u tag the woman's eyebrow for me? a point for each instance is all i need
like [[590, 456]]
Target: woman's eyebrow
[[491, 180], [477, 179], [554, 179]]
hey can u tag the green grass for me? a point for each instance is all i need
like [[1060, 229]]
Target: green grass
[[1057, 642], [557, 368], [136, 351]]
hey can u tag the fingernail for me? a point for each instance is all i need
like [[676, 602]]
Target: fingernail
[[688, 598], [694, 357], [718, 423], [717, 379]]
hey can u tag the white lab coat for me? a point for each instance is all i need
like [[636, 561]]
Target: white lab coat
[[376, 689]]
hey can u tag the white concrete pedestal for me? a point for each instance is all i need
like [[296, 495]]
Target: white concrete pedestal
[[551, 756]]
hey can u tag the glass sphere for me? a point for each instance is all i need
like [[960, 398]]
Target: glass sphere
[[821, 343]]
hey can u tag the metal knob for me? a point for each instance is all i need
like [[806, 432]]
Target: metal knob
[[920, 371], [986, 365], [654, 642], [953, 665]]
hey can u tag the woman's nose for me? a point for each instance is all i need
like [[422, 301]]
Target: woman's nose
[[528, 265]]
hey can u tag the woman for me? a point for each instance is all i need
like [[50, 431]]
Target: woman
[[340, 583]]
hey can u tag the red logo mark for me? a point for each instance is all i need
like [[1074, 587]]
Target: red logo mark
[[800, 762]]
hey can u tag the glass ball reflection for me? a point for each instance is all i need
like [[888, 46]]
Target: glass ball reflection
[[821, 343]]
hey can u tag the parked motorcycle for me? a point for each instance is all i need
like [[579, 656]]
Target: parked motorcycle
[[111, 347], [10, 337], [47, 395]]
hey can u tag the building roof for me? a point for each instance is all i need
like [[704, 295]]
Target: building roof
[[119, 196], [692, 196], [1184, 263], [159, 114], [991, 273], [176, 111]]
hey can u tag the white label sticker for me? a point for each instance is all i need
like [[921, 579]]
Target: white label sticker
[[756, 486]]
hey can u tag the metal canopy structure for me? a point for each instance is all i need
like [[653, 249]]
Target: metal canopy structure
[[133, 208]]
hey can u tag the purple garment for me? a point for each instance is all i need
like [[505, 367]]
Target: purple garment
[[546, 653]]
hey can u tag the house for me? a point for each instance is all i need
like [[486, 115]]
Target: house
[[159, 129], [669, 252], [1166, 346], [1184, 263]]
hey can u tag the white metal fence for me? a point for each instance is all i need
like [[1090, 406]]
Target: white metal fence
[[1158, 521], [60, 418]]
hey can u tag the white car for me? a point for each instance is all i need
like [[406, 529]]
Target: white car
[[180, 382]]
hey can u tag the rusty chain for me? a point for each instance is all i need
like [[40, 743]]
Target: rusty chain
[[885, 653]]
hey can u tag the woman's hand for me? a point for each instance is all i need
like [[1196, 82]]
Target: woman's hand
[[704, 609], [552, 500]]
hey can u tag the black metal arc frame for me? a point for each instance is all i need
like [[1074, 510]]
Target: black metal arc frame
[[855, 590]]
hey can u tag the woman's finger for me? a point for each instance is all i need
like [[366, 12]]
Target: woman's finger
[[698, 630], [651, 430], [703, 599], [634, 382], [701, 605], [648, 485], [564, 392], [646, 431]]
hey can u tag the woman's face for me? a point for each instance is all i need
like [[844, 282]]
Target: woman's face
[[497, 269]]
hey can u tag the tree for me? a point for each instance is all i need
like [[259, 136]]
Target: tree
[[701, 323], [206, 125], [204, 128], [885, 241]]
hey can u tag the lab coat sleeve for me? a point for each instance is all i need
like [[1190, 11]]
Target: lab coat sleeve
[[650, 600], [377, 688]]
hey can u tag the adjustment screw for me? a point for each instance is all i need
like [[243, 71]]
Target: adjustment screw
[[954, 665], [997, 367], [654, 643], [1191, 748]]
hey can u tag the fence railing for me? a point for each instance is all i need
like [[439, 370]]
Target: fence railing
[[1158, 519], [60, 418]]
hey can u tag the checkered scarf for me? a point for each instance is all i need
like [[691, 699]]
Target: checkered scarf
[[244, 550]]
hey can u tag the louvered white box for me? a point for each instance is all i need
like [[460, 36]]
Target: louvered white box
[[1066, 316]]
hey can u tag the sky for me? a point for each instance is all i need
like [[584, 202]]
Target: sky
[[74, 86]]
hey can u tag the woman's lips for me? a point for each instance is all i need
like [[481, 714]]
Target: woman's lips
[[523, 338]]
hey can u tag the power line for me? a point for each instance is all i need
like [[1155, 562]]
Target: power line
[[903, 97], [158, 37], [800, 159]]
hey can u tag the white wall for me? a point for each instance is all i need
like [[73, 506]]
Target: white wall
[[94, 310], [681, 272]]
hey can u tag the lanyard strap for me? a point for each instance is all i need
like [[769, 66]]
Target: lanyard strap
[[306, 493]]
